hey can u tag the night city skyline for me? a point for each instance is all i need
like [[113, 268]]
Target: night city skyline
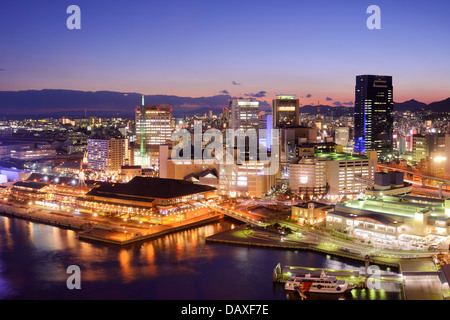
[[198, 49], [225, 156]]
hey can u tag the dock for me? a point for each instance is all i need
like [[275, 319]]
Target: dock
[[281, 274], [237, 237], [128, 236], [107, 232]]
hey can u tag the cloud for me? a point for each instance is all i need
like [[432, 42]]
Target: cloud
[[235, 83], [259, 94], [309, 95], [329, 99], [2, 69], [224, 92], [350, 103], [337, 103]]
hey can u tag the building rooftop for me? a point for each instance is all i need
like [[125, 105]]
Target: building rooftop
[[372, 216], [316, 205], [52, 179], [30, 184], [150, 188], [424, 200], [335, 156]]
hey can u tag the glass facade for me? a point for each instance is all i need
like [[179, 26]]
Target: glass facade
[[373, 114]]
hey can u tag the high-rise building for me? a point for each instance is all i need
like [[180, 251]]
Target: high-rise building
[[285, 111], [107, 154], [225, 118], [153, 128], [425, 145], [342, 136], [265, 129], [374, 105], [335, 174], [244, 114], [291, 137]]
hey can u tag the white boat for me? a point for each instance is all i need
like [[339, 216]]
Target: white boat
[[317, 283]]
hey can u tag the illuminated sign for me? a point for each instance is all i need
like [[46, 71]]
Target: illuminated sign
[[286, 109]]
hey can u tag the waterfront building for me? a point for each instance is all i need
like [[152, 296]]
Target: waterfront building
[[384, 213], [25, 190], [374, 105], [310, 212], [145, 195]]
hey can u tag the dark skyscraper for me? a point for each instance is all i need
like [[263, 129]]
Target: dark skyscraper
[[285, 111], [373, 114]]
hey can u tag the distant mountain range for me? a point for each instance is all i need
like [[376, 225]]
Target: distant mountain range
[[73, 103]]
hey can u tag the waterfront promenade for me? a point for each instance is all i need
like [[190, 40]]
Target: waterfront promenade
[[419, 272], [105, 229], [420, 278]]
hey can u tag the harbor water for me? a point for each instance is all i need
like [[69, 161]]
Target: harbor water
[[34, 259]]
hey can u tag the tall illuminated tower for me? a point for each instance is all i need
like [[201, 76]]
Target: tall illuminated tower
[[244, 114], [374, 105], [153, 128]]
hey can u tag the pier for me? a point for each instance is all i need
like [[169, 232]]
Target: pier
[[127, 236], [239, 236], [415, 277], [105, 230]]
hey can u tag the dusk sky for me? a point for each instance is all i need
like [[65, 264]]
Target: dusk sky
[[199, 48]]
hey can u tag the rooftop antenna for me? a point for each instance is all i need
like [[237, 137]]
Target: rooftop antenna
[[143, 101]]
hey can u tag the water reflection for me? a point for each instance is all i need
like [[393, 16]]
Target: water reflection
[[34, 259], [320, 296]]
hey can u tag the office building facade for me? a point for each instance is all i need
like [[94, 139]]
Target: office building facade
[[285, 111], [244, 114], [153, 128], [107, 154], [373, 115]]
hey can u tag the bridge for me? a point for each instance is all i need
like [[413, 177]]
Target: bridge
[[238, 216], [418, 178]]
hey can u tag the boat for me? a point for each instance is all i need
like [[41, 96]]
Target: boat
[[317, 283]]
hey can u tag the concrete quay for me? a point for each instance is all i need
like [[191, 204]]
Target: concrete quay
[[57, 219], [417, 276], [238, 236], [106, 230], [128, 236]]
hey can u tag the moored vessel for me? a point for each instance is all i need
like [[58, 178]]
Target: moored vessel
[[317, 283]]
